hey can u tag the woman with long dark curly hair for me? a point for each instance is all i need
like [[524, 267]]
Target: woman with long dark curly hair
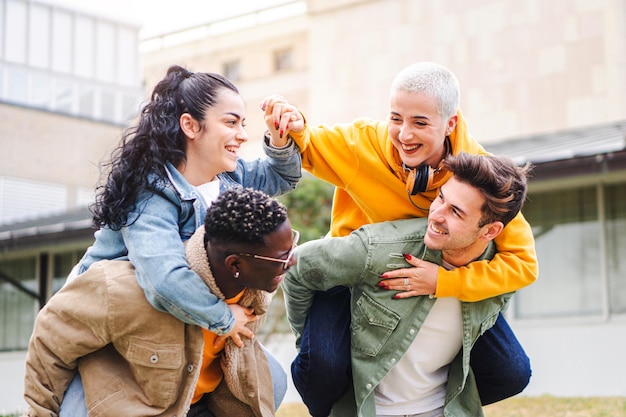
[[167, 170]]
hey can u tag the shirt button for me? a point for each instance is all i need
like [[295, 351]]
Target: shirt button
[[371, 319], [190, 368], [368, 386], [154, 358], [412, 331], [393, 360]]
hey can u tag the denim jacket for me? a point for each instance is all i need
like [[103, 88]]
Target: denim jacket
[[167, 216], [382, 328]]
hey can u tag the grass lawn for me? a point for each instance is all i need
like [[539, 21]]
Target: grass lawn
[[544, 406]]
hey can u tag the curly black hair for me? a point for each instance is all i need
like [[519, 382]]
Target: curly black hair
[[243, 215], [155, 140]]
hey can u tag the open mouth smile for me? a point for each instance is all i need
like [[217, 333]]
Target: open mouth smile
[[410, 148], [437, 230]]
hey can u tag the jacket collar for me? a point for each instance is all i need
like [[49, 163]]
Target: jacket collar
[[180, 184]]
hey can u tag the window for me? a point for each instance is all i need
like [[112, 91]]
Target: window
[[127, 61], [615, 202], [17, 308], [60, 60], [39, 32], [571, 228], [63, 96], [283, 60], [40, 89], [17, 83], [62, 264], [84, 47], [105, 52], [61, 41], [15, 45], [86, 100], [232, 70]]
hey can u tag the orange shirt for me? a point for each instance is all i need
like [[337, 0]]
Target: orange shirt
[[211, 372]]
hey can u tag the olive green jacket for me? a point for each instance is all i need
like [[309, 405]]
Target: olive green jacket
[[383, 328]]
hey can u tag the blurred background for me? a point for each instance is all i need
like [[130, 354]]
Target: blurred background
[[541, 81]]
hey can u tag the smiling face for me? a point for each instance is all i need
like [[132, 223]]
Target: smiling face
[[266, 274], [416, 128], [213, 144], [454, 223]]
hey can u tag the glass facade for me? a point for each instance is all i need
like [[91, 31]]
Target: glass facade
[[17, 308], [579, 233], [69, 62]]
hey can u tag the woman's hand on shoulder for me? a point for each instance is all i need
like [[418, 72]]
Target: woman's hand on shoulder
[[419, 279], [243, 316]]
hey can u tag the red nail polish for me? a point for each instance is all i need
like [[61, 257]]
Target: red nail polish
[[408, 256], [276, 125], [383, 275], [382, 284], [396, 297]]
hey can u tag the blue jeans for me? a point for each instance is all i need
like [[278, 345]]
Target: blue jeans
[[74, 404], [321, 371]]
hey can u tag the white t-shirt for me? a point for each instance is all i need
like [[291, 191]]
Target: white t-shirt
[[209, 191], [417, 383]]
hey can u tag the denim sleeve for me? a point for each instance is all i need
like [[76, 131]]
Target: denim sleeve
[[321, 265], [157, 252], [276, 174]]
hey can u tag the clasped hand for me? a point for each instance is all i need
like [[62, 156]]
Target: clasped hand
[[281, 118]]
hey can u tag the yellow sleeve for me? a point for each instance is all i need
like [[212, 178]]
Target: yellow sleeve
[[331, 153], [513, 267]]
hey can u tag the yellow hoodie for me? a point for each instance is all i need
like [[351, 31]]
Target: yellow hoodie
[[361, 161]]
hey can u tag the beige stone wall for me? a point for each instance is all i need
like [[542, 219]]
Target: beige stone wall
[[255, 48], [524, 66], [43, 146]]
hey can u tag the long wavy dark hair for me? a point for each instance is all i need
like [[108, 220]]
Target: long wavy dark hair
[[156, 139]]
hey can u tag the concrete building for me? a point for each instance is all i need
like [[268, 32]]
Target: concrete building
[[541, 81], [69, 82]]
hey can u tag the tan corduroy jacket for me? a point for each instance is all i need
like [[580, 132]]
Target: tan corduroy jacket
[[136, 361]]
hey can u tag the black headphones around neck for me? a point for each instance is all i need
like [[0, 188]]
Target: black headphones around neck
[[419, 179]]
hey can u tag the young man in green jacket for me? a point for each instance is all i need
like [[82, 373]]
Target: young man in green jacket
[[411, 356], [391, 170]]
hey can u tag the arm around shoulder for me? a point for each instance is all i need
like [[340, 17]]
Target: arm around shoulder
[[513, 267]]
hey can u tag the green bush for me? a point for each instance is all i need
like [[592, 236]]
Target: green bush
[[309, 207]]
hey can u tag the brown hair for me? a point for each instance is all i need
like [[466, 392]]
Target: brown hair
[[502, 182]]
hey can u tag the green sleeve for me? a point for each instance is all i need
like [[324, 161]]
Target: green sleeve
[[321, 265]]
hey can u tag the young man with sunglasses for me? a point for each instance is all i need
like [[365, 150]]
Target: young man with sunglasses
[[136, 361]]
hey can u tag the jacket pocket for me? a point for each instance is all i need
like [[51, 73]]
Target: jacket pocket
[[372, 324], [158, 370]]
